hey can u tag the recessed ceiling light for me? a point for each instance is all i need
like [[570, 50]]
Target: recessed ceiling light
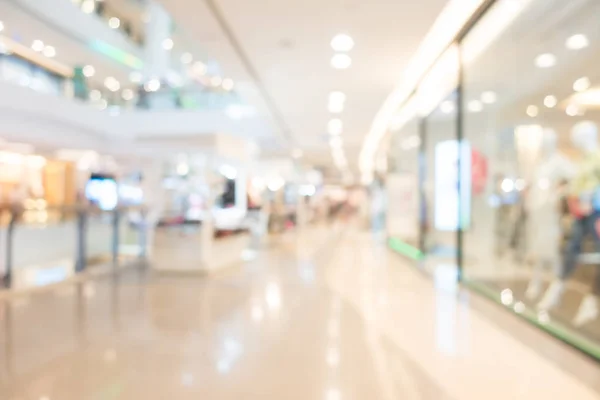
[[573, 110], [550, 101], [341, 61], [127, 94], [577, 42], [488, 97], [475, 106], [187, 58], [447, 107], [168, 44], [335, 126], [336, 102], [89, 71], [37, 45], [88, 6], [545, 60], [337, 97], [532, 111], [152, 85], [582, 84], [114, 22], [200, 68], [112, 84], [1, 26], [49, 51], [342, 43], [227, 84]]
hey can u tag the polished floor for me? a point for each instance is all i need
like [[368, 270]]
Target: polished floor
[[328, 313]]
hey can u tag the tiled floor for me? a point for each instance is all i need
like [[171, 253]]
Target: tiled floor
[[324, 314]]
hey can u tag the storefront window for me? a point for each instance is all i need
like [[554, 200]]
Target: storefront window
[[439, 162], [402, 184], [531, 106]]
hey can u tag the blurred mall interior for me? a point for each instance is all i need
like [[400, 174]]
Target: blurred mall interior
[[335, 199]]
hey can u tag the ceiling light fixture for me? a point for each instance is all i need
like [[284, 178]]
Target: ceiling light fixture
[[336, 102], [88, 6], [341, 61], [342, 43], [573, 111], [216, 81], [475, 106], [577, 42], [227, 84], [127, 94], [200, 68], [546, 60], [89, 71], [112, 84], [187, 58], [489, 97], [550, 101], [49, 51], [1, 26], [335, 126], [447, 107], [532, 111], [152, 85], [37, 45], [582, 84], [168, 44], [114, 22]]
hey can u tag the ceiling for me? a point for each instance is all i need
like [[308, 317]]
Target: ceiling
[[278, 52]]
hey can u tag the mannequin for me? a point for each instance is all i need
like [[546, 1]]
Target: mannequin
[[584, 205], [543, 209]]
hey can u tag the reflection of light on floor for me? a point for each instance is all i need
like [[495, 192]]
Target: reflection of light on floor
[[273, 296], [187, 379], [257, 313], [307, 273], [445, 278], [333, 394], [249, 254], [333, 328], [231, 351], [333, 357]]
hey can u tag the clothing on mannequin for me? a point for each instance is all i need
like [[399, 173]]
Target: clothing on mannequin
[[585, 206], [544, 211]]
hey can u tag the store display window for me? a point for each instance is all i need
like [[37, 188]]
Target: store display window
[[507, 127], [531, 113]]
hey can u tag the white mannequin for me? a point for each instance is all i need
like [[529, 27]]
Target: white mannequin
[[584, 136], [543, 209]]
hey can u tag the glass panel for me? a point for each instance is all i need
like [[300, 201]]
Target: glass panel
[[532, 110], [439, 163], [402, 183]]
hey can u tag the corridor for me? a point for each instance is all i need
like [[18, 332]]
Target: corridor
[[326, 314]]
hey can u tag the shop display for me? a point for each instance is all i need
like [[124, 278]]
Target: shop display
[[531, 237]]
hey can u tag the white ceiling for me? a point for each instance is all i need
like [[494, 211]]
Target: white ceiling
[[286, 45]]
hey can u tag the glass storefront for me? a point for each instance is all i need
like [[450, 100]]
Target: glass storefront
[[510, 163]]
